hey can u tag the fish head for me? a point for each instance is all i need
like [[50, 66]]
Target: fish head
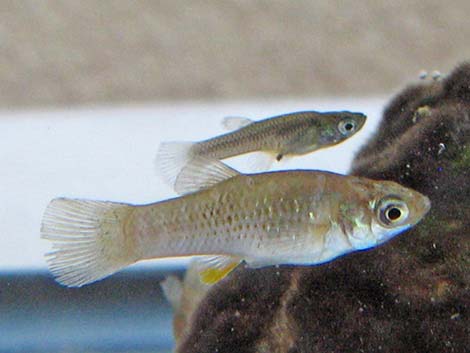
[[386, 210], [394, 209], [339, 126]]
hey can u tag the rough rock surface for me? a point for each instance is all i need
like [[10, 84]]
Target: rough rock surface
[[410, 295]]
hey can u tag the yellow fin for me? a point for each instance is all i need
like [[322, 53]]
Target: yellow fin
[[214, 275], [213, 269]]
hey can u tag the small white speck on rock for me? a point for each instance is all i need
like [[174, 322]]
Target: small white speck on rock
[[441, 149], [436, 75]]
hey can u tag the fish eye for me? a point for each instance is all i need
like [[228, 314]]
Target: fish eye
[[392, 211], [347, 126]]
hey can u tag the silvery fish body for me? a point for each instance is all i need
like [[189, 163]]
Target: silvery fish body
[[277, 137], [292, 217], [282, 217]]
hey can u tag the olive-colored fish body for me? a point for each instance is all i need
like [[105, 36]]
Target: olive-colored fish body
[[295, 217], [281, 136], [289, 134]]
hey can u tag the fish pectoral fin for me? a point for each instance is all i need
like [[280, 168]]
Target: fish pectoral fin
[[231, 123], [201, 173], [214, 268]]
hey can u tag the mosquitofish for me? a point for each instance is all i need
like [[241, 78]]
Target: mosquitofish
[[277, 137], [184, 296], [288, 217]]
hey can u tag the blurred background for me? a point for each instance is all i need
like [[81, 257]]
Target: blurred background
[[62, 53], [88, 89]]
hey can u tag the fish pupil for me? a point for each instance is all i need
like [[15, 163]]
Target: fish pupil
[[346, 127], [393, 214], [349, 126]]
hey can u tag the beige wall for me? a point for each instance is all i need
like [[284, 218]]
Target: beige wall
[[82, 52]]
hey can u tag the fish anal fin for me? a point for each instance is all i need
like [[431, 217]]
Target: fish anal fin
[[260, 161], [214, 269], [231, 123], [214, 275]]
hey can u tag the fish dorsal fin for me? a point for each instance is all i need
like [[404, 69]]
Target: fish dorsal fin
[[231, 123], [201, 173], [214, 268]]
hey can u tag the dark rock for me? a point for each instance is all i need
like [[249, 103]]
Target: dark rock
[[240, 314], [410, 295]]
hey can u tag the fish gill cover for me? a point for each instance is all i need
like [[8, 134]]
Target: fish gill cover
[[411, 295]]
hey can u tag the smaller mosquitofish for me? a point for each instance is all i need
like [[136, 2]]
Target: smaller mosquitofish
[[277, 137], [290, 217]]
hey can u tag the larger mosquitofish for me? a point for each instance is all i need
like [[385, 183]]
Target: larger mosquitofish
[[290, 217], [277, 137]]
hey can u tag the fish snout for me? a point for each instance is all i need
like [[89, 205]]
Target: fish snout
[[426, 204]]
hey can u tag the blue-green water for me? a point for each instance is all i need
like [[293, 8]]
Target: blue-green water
[[125, 313]]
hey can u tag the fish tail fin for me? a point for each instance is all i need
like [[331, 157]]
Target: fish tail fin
[[171, 159], [88, 240]]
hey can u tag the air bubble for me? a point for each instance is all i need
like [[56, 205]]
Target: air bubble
[[436, 75]]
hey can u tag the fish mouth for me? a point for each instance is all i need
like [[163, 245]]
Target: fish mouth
[[426, 204], [362, 120]]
